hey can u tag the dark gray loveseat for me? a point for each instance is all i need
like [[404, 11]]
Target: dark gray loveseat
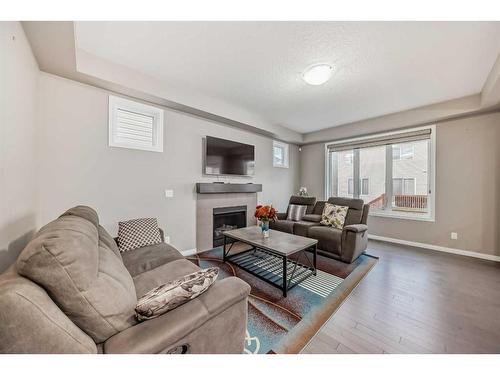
[[347, 244], [72, 291]]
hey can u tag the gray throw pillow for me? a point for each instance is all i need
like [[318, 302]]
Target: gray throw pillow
[[168, 296], [296, 212], [133, 234]]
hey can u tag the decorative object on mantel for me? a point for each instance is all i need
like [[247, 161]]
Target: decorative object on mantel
[[265, 214], [303, 191]]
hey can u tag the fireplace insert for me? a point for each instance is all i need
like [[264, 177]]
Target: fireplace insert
[[227, 218]]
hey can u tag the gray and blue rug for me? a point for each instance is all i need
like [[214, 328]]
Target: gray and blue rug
[[278, 324]]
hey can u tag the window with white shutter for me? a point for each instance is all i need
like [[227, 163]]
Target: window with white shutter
[[135, 125]]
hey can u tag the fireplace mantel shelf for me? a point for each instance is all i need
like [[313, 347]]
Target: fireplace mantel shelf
[[216, 188]]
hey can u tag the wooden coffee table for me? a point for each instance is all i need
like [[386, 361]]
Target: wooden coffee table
[[269, 258]]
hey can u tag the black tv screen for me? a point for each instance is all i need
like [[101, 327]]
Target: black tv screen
[[224, 157]]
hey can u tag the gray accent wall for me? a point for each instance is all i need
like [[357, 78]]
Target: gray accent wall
[[78, 167], [467, 186], [18, 155]]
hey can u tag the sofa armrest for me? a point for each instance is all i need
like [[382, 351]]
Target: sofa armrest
[[281, 215], [312, 218], [356, 228], [224, 304], [354, 242]]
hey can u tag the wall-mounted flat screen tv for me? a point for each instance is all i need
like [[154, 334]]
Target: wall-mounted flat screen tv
[[224, 157]]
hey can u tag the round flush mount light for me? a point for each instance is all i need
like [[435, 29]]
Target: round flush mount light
[[317, 74]]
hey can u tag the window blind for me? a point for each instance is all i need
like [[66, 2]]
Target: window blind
[[132, 127], [416, 135]]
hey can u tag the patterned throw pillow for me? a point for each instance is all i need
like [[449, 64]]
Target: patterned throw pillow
[[136, 233], [334, 216], [296, 212], [168, 296]]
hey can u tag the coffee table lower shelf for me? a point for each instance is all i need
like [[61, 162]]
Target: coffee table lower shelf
[[277, 270]]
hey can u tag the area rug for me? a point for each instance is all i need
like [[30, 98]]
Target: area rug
[[278, 324]]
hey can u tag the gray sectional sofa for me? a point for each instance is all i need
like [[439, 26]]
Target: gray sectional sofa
[[72, 291], [345, 245]]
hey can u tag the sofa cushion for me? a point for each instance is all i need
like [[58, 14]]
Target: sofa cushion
[[296, 212], [334, 216], [318, 208], [329, 239], [305, 201], [85, 212], [181, 325], [312, 218], [282, 225], [148, 257], [106, 240], [146, 281], [174, 293], [355, 213], [84, 277], [31, 323], [301, 228], [136, 233]]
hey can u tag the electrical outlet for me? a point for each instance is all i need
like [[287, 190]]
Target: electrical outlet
[[169, 193], [167, 239], [454, 235]]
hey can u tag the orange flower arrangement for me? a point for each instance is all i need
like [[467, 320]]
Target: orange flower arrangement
[[265, 213]]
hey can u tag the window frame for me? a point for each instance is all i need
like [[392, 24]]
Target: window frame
[[361, 186], [350, 182], [286, 155], [403, 180], [115, 103], [431, 183]]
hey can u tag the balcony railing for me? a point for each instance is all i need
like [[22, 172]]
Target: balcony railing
[[410, 202], [402, 202]]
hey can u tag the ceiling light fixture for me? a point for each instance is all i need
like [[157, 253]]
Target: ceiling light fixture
[[317, 74]]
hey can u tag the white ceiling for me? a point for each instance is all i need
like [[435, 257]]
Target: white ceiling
[[379, 67]]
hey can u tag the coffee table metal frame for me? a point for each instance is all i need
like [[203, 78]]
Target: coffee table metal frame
[[299, 273]]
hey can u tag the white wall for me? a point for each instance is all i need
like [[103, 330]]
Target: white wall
[[18, 107], [78, 167]]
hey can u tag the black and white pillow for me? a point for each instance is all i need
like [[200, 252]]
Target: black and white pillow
[[136, 233], [168, 296], [296, 212]]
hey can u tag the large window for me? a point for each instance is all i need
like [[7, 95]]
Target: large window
[[392, 172]]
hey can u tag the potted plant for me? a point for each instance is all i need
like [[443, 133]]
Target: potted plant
[[265, 214]]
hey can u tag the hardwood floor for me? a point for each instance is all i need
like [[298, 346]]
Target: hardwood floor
[[417, 301]]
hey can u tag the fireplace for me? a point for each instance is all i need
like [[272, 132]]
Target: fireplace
[[227, 218]]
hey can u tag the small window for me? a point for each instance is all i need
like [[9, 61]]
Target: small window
[[280, 154], [402, 151], [135, 125]]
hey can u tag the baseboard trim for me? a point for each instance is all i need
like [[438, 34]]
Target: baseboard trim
[[444, 249], [189, 252]]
